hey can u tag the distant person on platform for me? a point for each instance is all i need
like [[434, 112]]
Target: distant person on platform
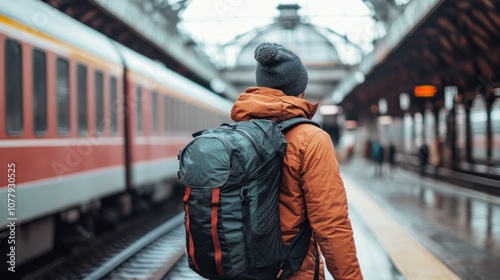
[[391, 153], [311, 184], [378, 157], [435, 155], [423, 157]]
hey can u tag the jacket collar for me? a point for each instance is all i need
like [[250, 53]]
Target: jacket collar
[[273, 104]]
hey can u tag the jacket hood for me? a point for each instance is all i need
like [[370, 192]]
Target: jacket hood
[[268, 103]]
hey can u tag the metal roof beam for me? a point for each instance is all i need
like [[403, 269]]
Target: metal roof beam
[[411, 17]]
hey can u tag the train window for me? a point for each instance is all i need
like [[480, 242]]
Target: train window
[[113, 105], [408, 128], [194, 124], [430, 125], [205, 116], [202, 114], [478, 127], [99, 101], [138, 100], [154, 111], [179, 122], [419, 130], [13, 87], [396, 132], [184, 123], [442, 126], [187, 125], [208, 120], [174, 114], [180, 116], [81, 81], [495, 130], [62, 93], [190, 121], [460, 131], [166, 100], [39, 91]]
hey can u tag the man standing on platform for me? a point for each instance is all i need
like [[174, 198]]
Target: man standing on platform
[[311, 185]]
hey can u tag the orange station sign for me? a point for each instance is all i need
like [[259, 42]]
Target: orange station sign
[[425, 91]]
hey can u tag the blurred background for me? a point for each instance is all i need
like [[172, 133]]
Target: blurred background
[[97, 97]]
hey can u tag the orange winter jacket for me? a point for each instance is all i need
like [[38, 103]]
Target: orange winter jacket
[[311, 187]]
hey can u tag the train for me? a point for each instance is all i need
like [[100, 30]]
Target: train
[[89, 127], [465, 144]]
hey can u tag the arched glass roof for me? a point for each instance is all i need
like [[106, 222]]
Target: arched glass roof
[[303, 39], [351, 26], [216, 26], [330, 36]]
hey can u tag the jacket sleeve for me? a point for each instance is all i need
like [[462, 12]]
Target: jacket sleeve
[[326, 204]]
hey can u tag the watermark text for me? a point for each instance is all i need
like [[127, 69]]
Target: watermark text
[[11, 216]]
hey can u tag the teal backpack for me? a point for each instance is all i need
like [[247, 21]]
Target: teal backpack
[[232, 175]]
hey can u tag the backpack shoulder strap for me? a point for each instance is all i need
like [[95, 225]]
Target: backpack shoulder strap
[[286, 125]]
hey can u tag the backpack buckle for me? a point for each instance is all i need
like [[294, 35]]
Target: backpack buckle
[[244, 194], [215, 202]]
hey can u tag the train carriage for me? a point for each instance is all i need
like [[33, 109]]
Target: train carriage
[[88, 124]]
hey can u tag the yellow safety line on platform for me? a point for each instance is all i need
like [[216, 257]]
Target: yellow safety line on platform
[[412, 259]]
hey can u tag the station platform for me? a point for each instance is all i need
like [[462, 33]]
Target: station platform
[[412, 227]]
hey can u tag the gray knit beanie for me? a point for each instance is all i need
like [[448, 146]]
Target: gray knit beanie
[[279, 68]]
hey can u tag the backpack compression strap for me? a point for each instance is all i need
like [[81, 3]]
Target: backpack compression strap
[[286, 125], [297, 250], [188, 227], [215, 235]]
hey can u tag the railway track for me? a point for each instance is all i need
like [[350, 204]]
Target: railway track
[[150, 257], [463, 179], [150, 250], [181, 271]]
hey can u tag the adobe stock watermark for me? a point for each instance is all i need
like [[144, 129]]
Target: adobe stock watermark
[[76, 154], [40, 19], [222, 7], [11, 216], [401, 171]]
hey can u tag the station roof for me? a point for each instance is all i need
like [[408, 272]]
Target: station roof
[[309, 42], [331, 37], [199, 38], [456, 44]]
